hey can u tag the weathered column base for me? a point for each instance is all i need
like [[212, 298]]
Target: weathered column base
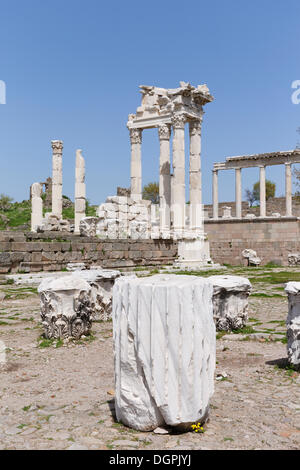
[[194, 253]]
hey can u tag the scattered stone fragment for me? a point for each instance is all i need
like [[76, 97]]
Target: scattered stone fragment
[[293, 323], [65, 307], [230, 301]]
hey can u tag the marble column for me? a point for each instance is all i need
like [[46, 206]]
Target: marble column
[[238, 193], [36, 206], [57, 148], [136, 164], [215, 195], [262, 190], [80, 192], [288, 189], [178, 122], [164, 133], [196, 208]]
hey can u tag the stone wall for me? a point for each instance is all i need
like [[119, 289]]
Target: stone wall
[[273, 239], [273, 204], [50, 251]]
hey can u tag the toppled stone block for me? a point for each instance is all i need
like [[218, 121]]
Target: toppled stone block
[[251, 256], [52, 223], [87, 226], [75, 267], [227, 213], [164, 350], [65, 307], [294, 259], [293, 323], [230, 301]]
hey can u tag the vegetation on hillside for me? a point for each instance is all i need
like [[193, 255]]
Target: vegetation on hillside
[[17, 215]]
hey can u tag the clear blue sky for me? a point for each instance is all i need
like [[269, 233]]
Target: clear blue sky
[[72, 70]]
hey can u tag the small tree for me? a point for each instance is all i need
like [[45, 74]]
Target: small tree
[[296, 174], [250, 197], [5, 202], [270, 190], [151, 192], [254, 195]]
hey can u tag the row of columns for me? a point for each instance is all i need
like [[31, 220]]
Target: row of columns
[[262, 191], [172, 188]]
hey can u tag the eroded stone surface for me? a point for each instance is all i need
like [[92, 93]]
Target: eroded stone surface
[[65, 307], [230, 301], [294, 259], [164, 347], [251, 256], [101, 283], [293, 323]]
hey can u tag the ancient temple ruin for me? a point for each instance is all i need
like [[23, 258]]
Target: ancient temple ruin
[[237, 163], [169, 110]]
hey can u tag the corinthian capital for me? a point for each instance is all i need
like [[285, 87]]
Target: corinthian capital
[[135, 136], [57, 146], [164, 132], [178, 121], [195, 127]]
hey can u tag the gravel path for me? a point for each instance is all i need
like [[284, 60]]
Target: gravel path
[[62, 396]]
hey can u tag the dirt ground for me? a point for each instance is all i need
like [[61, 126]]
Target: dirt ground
[[60, 395]]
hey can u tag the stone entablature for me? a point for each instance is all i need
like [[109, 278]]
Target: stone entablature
[[159, 105], [267, 159]]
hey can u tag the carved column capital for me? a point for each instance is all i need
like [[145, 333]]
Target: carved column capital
[[195, 127], [57, 146], [135, 136], [178, 121], [164, 132]]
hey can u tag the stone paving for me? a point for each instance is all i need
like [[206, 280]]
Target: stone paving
[[57, 395]]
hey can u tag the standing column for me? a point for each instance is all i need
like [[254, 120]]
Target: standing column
[[288, 189], [238, 193], [36, 206], [178, 173], [196, 209], [57, 147], [262, 190], [80, 193], [215, 195], [136, 164], [164, 132]]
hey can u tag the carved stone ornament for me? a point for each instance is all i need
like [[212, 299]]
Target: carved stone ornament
[[164, 132], [57, 146], [65, 307], [195, 127], [136, 136], [178, 121]]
